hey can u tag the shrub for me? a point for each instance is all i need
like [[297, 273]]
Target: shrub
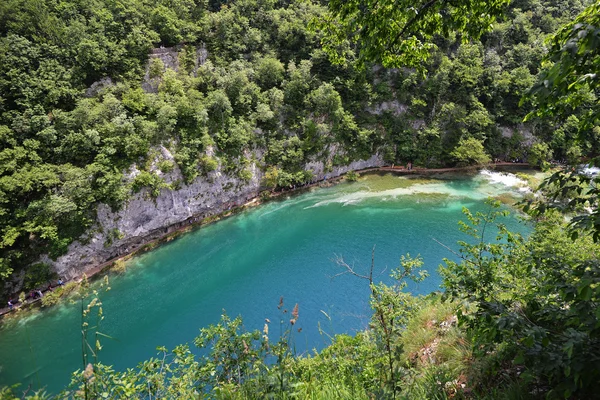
[[38, 274], [352, 176], [166, 166], [245, 175], [208, 164], [150, 180]]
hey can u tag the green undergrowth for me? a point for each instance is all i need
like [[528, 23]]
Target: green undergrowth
[[432, 338], [54, 296], [435, 362], [518, 320], [92, 112]]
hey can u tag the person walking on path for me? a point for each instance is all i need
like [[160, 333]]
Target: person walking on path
[[10, 305]]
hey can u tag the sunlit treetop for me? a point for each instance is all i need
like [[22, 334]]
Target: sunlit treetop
[[570, 78], [570, 83], [400, 33]]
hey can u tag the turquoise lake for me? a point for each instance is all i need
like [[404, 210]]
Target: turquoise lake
[[245, 263]]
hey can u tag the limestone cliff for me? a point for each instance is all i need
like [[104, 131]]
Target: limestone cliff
[[144, 218]]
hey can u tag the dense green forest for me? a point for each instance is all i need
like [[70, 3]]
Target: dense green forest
[[82, 101], [74, 115]]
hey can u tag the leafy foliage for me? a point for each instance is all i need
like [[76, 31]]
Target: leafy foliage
[[81, 108], [401, 34], [569, 84], [470, 151], [85, 112], [570, 77], [536, 303]]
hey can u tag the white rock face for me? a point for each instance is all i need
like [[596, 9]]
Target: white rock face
[[143, 218], [523, 130], [319, 169], [170, 59], [394, 106]]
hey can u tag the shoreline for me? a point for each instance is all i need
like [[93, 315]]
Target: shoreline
[[195, 222]]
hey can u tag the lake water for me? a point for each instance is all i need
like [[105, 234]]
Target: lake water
[[245, 263]]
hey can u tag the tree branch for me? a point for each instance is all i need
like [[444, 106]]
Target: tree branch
[[452, 251], [414, 19], [339, 260], [372, 265]]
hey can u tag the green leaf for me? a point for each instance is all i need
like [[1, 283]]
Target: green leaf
[[519, 359], [585, 291], [529, 341]]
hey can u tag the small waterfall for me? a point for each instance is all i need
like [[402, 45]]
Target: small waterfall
[[590, 171], [506, 179]]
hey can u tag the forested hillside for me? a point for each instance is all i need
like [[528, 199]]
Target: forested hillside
[[84, 107], [80, 103]]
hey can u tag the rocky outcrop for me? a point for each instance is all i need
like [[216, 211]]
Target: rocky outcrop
[[98, 87], [394, 106], [527, 137], [169, 59], [320, 172], [144, 218]]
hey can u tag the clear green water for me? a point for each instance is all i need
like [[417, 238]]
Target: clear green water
[[245, 263]]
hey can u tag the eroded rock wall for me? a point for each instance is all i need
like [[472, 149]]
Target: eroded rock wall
[[144, 218]]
